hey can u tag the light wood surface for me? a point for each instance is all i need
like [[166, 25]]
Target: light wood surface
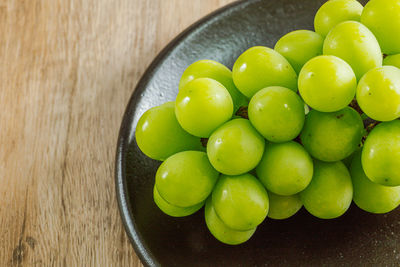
[[67, 70]]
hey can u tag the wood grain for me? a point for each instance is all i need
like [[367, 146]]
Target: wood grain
[[67, 71]]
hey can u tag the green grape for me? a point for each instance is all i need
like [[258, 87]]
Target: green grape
[[235, 147], [327, 83], [382, 17], [241, 202], [332, 136], [334, 12], [285, 169], [348, 160], [393, 60], [203, 105], [217, 71], [172, 210], [330, 192], [370, 196], [378, 93], [159, 135], [381, 154], [260, 67], [300, 46], [355, 44], [283, 207], [186, 178], [277, 113], [222, 232]]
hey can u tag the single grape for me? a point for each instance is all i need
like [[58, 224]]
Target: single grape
[[330, 192], [382, 17], [172, 210], [285, 168], [393, 60], [334, 12], [283, 207], [241, 202], [378, 93], [355, 44], [381, 154], [159, 135], [277, 113], [186, 178], [203, 105], [300, 46], [235, 147], [217, 71], [369, 196], [260, 67], [222, 232], [327, 83], [332, 136]]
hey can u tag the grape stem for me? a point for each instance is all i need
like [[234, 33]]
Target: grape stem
[[369, 124], [243, 112], [355, 105], [204, 142]]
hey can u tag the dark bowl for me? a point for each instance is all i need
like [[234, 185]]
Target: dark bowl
[[357, 238]]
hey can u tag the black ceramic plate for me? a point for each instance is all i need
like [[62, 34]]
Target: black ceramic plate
[[357, 238]]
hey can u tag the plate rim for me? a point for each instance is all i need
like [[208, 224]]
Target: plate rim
[[124, 208]]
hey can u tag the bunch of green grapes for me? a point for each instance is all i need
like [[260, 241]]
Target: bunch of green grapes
[[312, 122]]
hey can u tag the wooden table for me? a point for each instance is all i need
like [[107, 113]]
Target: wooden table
[[68, 68]]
